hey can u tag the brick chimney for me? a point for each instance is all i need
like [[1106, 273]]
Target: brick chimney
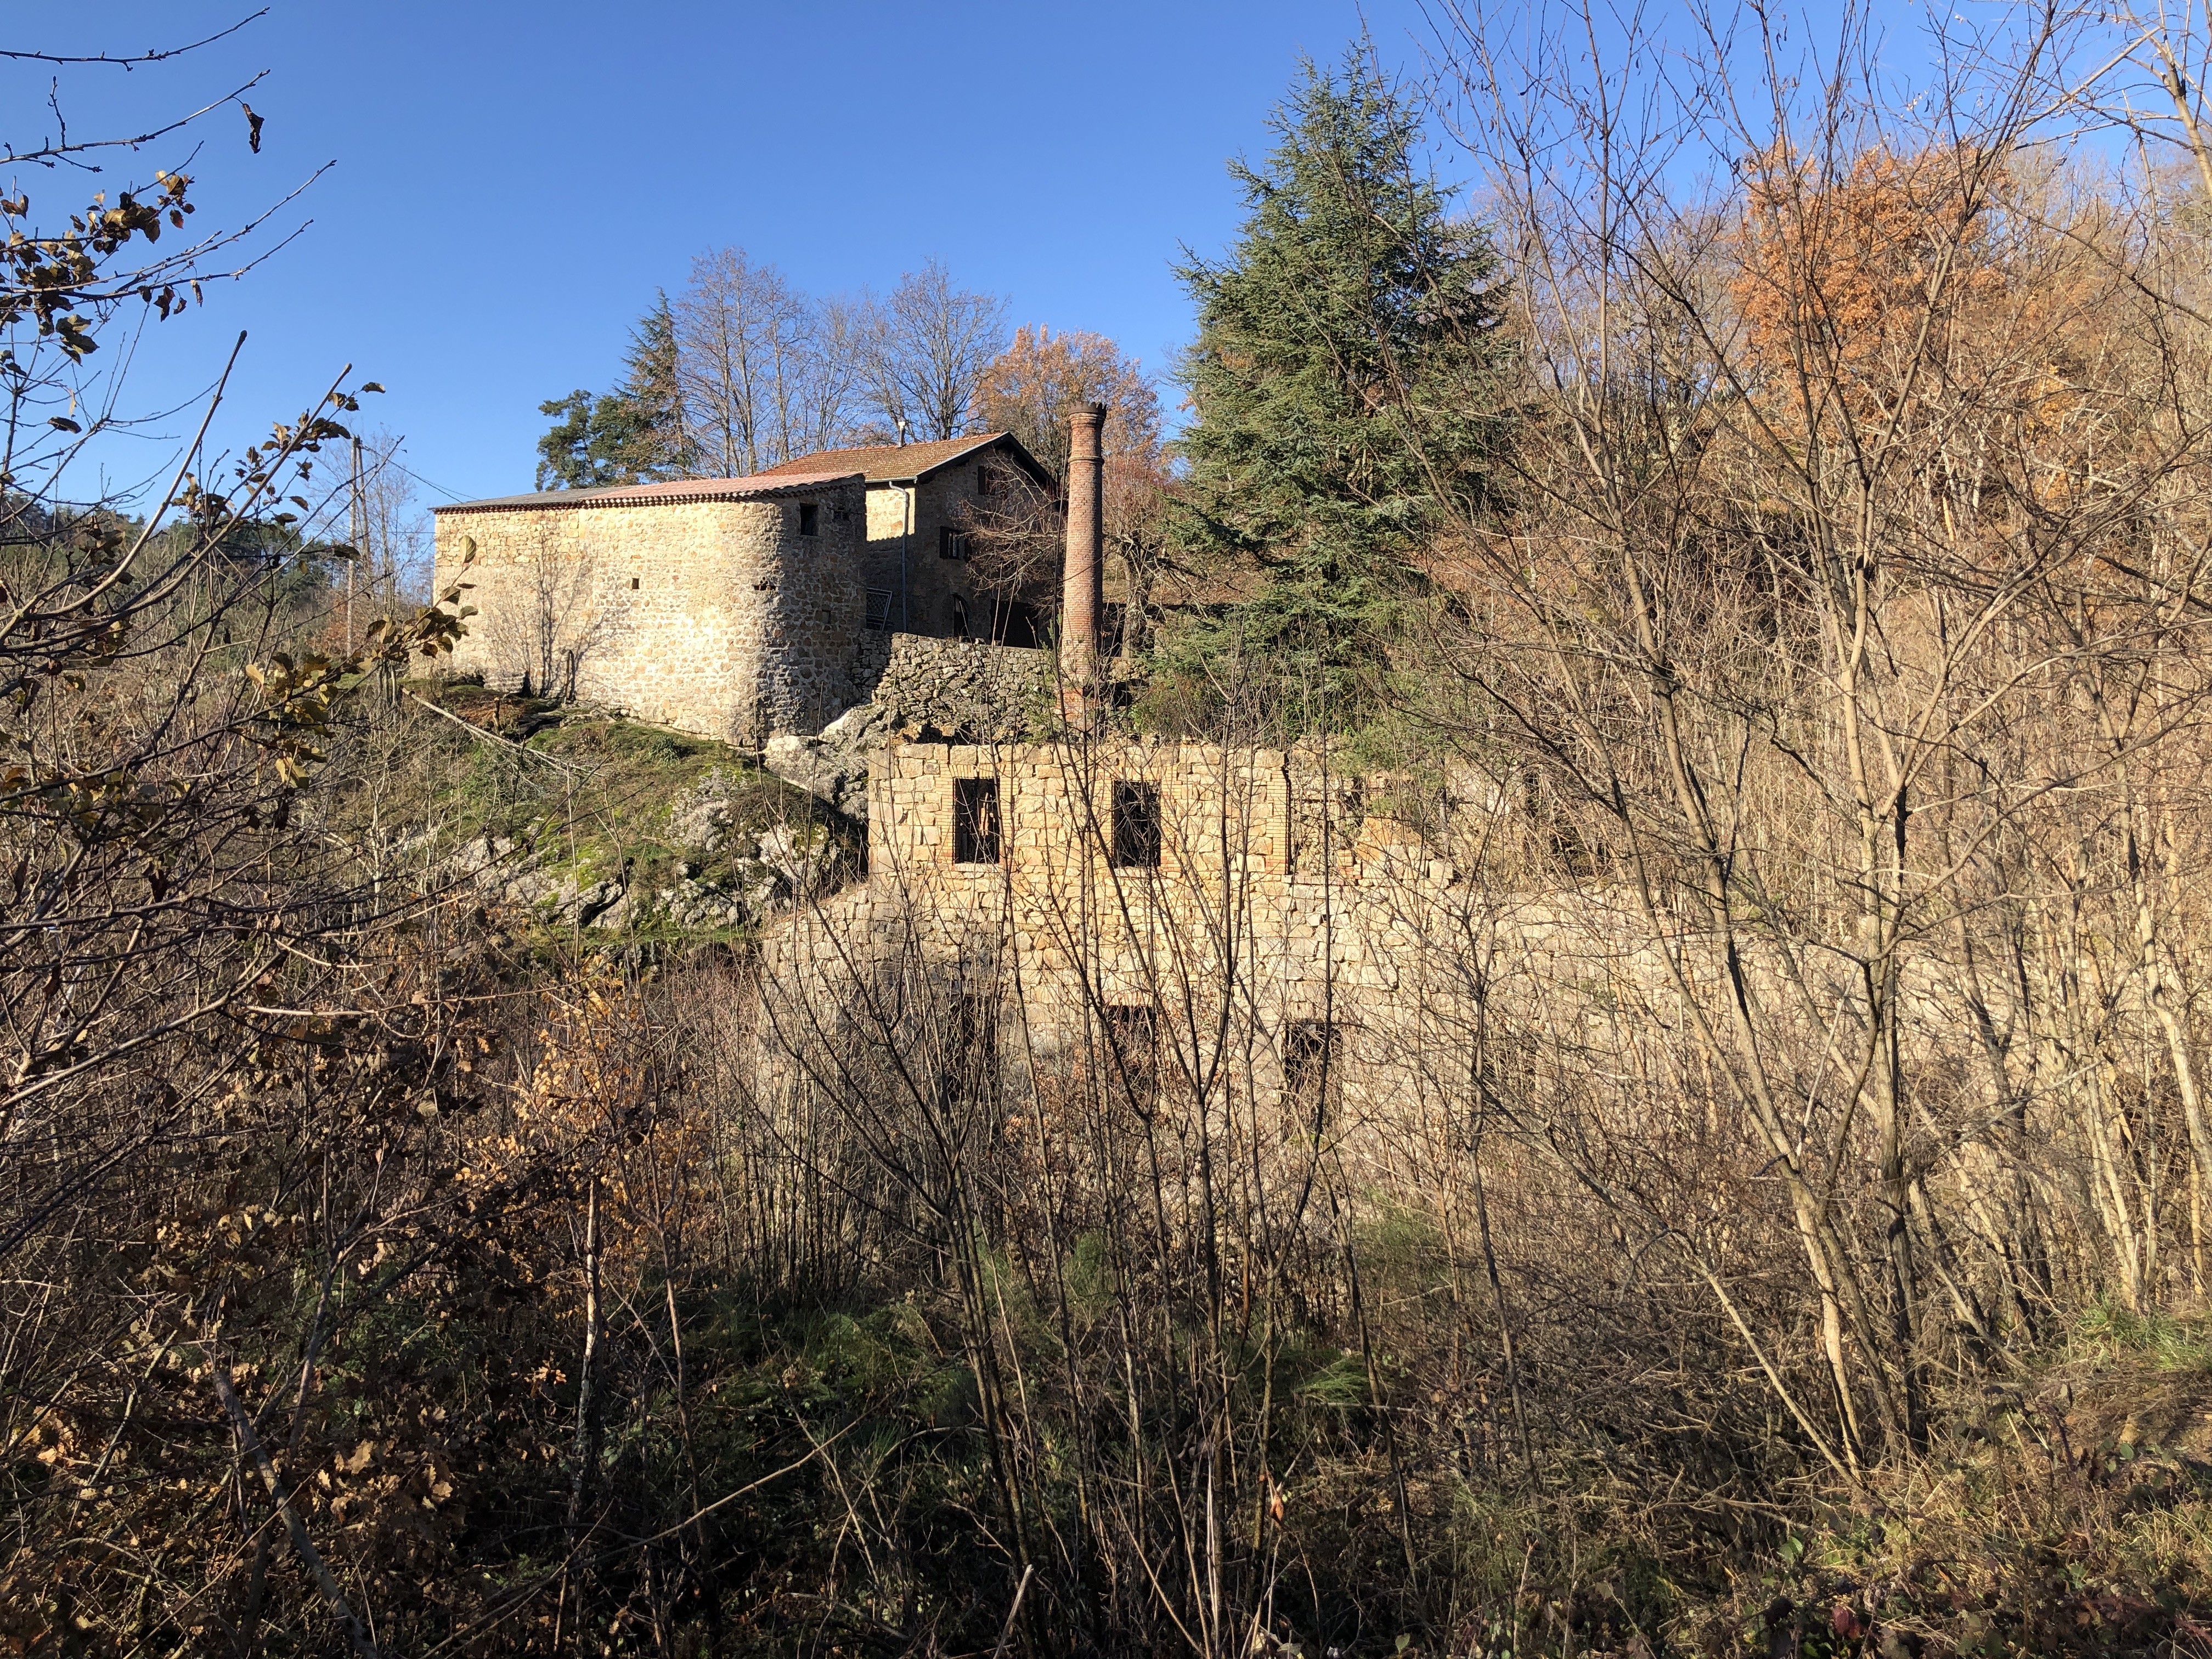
[[1082, 590]]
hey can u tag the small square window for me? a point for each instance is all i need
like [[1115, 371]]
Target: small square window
[[879, 610], [974, 820], [810, 519], [1136, 826], [950, 543], [987, 479], [633, 584]]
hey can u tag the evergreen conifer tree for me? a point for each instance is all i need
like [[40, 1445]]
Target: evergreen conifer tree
[[573, 454], [1345, 381], [657, 441], [636, 434]]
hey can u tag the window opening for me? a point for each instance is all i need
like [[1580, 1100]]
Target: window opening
[[1322, 820], [633, 584], [950, 542], [1313, 1068], [959, 618], [1136, 826], [974, 820], [969, 1064], [879, 610], [1505, 1065], [1131, 1035], [1015, 624], [810, 519]]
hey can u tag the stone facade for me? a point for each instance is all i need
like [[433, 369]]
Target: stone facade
[[1273, 900], [1258, 902], [730, 608], [946, 688], [921, 498], [929, 593], [743, 609], [1285, 963]]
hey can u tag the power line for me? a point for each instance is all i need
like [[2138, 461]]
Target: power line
[[451, 495], [391, 459]]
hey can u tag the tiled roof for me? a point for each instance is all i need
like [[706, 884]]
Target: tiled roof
[[783, 481], [897, 463]]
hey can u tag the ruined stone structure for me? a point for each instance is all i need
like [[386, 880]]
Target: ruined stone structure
[[742, 609], [1128, 867], [1183, 906]]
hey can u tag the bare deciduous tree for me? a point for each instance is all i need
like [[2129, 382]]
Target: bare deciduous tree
[[1029, 390], [741, 332], [926, 348], [767, 371]]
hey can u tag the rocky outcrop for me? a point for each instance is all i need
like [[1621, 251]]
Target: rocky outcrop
[[772, 867], [702, 822], [507, 870], [834, 767]]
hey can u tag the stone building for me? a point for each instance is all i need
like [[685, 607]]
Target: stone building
[[1249, 927], [921, 500], [1114, 868], [743, 609]]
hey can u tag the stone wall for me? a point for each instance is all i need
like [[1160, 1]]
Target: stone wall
[[712, 616], [964, 687], [946, 688], [922, 584], [1290, 906], [1278, 896], [1288, 918]]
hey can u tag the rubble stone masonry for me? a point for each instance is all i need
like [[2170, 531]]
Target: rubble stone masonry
[[1278, 891], [980, 691], [714, 615], [903, 557]]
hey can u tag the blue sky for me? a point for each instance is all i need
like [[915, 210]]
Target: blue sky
[[513, 182]]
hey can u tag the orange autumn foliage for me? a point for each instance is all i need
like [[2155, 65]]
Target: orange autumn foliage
[[1866, 272], [1916, 305]]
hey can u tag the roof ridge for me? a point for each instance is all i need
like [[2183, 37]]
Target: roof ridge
[[926, 456], [752, 487]]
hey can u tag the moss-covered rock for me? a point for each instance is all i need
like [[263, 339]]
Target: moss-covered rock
[[577, 819]]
